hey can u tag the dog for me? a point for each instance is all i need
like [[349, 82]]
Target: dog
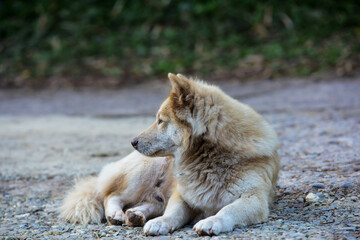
[[225, 159], [131, 190]]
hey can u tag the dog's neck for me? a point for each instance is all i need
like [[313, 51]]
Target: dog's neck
[[178, 156], [202, 151]]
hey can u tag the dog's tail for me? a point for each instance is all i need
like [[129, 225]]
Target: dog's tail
[[83, 204]]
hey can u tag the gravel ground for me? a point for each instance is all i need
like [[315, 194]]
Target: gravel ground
[[46, 142]]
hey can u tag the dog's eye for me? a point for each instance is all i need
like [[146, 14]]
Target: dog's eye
[[159, 121]]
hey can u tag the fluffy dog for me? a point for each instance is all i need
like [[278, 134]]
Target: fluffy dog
[[225, 159], [131, 190]]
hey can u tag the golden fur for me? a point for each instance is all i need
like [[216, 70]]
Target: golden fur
[[131, 190], [225, 159]]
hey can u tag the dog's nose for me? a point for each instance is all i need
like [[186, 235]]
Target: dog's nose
[[134, 142]]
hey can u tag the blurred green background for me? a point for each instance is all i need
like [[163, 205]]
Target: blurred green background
[[127, 41]]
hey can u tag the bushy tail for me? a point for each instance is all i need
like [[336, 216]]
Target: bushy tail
[[83, 204]]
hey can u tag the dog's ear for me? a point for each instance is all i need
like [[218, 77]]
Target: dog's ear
[[182, 89], [181, 95], [180, 84]]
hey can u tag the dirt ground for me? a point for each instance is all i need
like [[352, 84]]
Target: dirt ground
[[49, 138]]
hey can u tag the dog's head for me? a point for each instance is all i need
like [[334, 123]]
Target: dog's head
[[196, 113], [177, 119]]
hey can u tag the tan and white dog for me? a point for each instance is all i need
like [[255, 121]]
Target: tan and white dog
[[225, 159], [131, 190]]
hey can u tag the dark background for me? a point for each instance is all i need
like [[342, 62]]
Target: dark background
[[112, 43]]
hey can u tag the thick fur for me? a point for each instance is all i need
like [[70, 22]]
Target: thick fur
[[131, 190], [225, 159], [83, 204]]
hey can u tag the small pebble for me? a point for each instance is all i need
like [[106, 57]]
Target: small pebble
[[287, 192], [311, 197], [347, 185], [320, 194], [318, 185]]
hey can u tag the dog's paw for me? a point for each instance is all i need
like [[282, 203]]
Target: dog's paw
[[209, 226], [116, 218], [134, 218], [158, 226]]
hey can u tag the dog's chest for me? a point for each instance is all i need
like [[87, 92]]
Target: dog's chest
[[208, 193]]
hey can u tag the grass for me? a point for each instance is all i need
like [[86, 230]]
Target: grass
[[145, 39]]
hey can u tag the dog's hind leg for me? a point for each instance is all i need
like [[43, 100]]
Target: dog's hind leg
[[114, 210], [137, 216]]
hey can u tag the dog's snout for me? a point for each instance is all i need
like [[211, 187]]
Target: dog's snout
[[134, 142]]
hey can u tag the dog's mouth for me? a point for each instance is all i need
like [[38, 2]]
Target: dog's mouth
[[151, 150], [155, 154], [142, 147], [147, 151]]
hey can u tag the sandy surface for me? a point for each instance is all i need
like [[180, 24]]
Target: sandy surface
[[49, 138]]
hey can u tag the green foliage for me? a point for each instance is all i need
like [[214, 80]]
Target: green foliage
[[138, 38]]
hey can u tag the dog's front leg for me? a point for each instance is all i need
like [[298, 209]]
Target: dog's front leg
[[249, 209], [177, 214]]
